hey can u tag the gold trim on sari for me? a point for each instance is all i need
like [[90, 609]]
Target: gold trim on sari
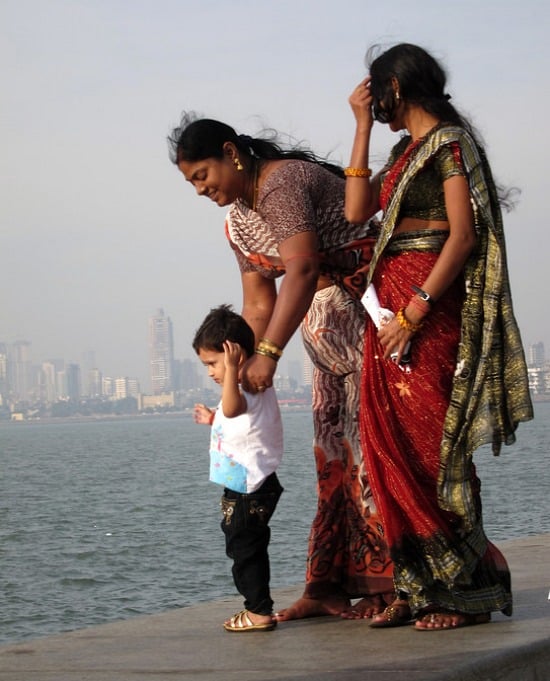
[[490, 393]]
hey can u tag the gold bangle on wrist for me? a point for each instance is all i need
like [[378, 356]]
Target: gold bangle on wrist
[[267, 353], [270, 346], [357, 172], [405, 323]]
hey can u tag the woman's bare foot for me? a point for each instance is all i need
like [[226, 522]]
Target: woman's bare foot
[[367, 607], [449, 620], [313, 607]]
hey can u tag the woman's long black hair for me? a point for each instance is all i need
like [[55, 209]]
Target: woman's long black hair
[[196, 139], [422, 81]]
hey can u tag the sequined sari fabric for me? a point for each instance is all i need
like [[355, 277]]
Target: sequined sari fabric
[[467, 386]]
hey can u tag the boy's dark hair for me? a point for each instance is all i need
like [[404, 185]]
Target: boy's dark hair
[[222, 324]]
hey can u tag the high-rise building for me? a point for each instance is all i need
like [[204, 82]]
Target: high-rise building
[[189, 376], [87, 364], [52, 380], [20, 370], [95, 383], [121, 388], [161, 353], [107, 386], [126, 387], [133, 387], [74, 387], [4, 388], [48, 383], [536, 356]]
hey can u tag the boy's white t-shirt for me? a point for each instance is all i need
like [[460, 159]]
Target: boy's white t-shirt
[[245, 449]]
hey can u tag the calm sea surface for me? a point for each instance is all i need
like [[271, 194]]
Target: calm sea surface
[[104, 520]]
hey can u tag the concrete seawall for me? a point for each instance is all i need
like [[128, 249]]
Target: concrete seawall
[[189, 644]]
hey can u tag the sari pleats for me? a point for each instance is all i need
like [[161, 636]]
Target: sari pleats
[[437, 560]]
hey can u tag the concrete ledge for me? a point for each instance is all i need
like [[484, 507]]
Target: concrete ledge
[[190, 643]]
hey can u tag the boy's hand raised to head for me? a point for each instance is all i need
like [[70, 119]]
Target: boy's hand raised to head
[[233, 353]]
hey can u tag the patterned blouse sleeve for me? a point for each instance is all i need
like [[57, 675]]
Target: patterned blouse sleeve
[[287, 205], [448, 161]]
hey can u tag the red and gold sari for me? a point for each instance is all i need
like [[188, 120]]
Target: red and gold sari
[[467, 386]]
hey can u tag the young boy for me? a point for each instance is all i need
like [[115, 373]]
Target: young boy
[[246, 447]]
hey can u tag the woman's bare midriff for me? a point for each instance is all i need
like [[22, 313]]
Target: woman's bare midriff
[[405, 225], [414, 224]]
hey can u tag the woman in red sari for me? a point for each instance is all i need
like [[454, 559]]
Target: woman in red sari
[[440, 266]]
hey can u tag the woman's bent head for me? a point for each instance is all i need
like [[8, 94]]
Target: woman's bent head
[[213, 158], [196, 139]]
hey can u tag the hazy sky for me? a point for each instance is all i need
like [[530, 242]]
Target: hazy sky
[[99, 229]]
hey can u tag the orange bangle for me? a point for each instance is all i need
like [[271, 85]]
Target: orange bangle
[[405, 323], [357, 172]]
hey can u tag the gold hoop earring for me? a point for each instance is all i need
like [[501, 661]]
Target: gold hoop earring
[[397, 96], [238, 164]]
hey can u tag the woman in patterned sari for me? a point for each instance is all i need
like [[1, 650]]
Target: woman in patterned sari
[[440, 265], [286, 219]]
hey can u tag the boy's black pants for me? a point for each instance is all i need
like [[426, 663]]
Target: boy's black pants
[[245, 526]]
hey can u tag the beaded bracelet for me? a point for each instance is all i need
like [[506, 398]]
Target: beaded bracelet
[[266, 344], [405, 323], [267, 353], [357, 172]]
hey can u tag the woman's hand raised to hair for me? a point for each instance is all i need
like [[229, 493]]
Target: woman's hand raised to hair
[[360, 101]]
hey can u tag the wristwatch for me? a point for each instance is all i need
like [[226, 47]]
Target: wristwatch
[[422, 294]]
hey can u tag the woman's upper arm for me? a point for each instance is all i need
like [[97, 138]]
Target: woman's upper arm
[[259, 298], [362, 198], [301, 248], [459, 208], [258, 291]]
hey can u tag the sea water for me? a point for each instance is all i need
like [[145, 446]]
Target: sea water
[[101, 520]]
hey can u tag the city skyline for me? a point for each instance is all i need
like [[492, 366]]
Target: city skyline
[[22, 378], [26, 378], [98, 229]]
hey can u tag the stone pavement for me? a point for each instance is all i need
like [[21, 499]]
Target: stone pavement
[[189, 644]]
